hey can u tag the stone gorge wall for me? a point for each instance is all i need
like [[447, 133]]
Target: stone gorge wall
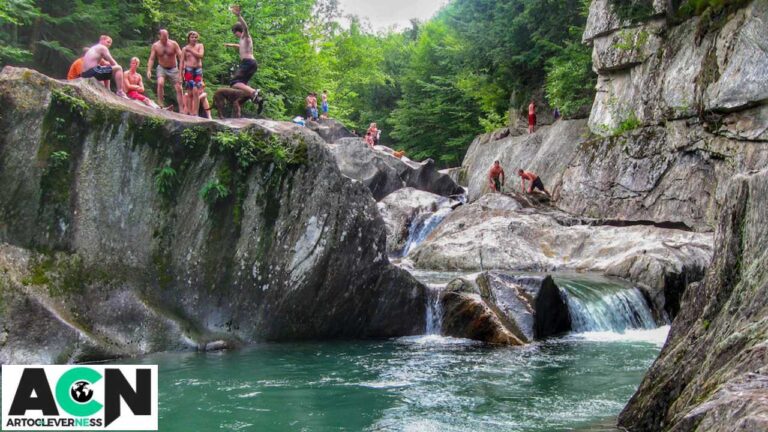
[[712, 374], [125, 230], [680, 109]]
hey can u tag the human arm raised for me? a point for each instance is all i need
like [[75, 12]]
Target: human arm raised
[[236, 10]]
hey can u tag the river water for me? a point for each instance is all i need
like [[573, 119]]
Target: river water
[[423, 383]]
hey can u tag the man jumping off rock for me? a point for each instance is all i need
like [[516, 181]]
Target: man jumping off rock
[[496, 177], [248, 65], [535, 181]]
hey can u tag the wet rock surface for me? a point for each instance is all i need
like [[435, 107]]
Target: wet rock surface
[[711, 374], [514, 233], [146, 230], [496, 305]]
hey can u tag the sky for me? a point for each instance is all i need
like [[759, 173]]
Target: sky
[[384, 13]]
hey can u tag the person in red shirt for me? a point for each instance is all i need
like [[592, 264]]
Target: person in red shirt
[[531, 117], [535, 181], [496, 177], [77, 67]]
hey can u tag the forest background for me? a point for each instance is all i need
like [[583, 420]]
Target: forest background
[[431, 87]]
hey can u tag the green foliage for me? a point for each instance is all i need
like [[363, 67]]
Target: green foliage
[[166, 181], [570, 81], [74, 105], [248, 148], [58, 159], [213, 192], [633, 10]]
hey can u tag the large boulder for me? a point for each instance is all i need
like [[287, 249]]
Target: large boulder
[[406, 210], [712, 374], [383, 173], [130, 230], [496, 305], [329, 130], [504, 232]]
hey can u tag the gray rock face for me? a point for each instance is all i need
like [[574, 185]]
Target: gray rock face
[[401, 209], [712, 374], [383, 173], [643, 77], [676, 173], [130, 231], [503, 232], [500, 304], [547, 153], [329, 130]]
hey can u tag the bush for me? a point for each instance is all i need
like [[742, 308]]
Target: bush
[[570, 82], [213, 192]]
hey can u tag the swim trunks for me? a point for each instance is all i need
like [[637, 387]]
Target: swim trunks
[[538, 184], [325, 107], [532, 119], [497, 183], [133, 94], [172, 74], [101, 73], [193, 77], [244, 73]]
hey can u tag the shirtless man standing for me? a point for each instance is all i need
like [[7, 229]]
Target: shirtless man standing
[[168, 54], [532, 117], [496, 177], [91, 67], [248, 65], [192, 63]]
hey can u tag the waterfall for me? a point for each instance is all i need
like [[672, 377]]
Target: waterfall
[[603, 305], [434, 310], [421, 226]]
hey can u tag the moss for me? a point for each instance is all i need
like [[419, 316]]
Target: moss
[[65, 98], [63, 132], [629, 41], [38, 272]]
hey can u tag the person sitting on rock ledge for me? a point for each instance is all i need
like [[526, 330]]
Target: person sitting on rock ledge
[[535, 181], [134, 85], [496, 177], [93, 68]]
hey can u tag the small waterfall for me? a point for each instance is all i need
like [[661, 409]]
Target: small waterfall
[[602, 305], [434, 310], [421, 226]]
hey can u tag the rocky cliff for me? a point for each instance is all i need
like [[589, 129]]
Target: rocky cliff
[[126, 230], [712, 374], [681, 107]]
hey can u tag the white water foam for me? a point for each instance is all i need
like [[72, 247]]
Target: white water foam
[[657, 336], [435, 339]]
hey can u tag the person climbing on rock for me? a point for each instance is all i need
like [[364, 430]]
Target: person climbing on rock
[[535, 181], [93, 69], [496, 177], [248, 65], [532, 117]]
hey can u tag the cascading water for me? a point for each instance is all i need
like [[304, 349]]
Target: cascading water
[[434, 310], [422, 226], [600, 305]]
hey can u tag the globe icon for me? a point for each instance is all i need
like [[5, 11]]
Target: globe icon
[[81, 391]]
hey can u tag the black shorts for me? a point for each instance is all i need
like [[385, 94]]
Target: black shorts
[[247, 68], [101, 73], [537, 184], [497, 183]]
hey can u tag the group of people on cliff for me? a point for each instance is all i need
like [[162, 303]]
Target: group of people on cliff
[[182, 67]]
